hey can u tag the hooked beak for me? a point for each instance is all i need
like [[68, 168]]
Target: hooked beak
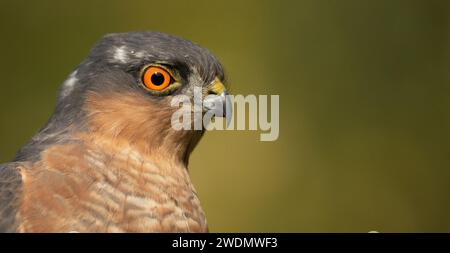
[[218, 101]]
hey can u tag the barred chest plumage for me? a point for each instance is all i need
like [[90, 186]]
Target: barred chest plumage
[[100, 187]]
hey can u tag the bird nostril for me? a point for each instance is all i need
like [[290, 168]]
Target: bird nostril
[[216, 87]]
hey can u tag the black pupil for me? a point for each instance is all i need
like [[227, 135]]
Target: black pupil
[[157, 79]]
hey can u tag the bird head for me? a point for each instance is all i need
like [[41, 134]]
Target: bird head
[[123, 90]]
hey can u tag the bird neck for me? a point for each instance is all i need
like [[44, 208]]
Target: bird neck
[[132, 121]]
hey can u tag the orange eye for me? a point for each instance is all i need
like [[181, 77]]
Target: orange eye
[[156, 78]]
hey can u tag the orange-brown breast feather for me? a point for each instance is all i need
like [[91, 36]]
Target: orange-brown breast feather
[[125, 174]]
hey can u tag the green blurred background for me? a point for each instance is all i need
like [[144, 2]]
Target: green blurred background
[[364, 103]]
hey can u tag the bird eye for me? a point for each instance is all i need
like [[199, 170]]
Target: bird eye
[[156, 78]]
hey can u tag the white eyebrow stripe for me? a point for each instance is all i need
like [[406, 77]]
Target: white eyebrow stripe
[[140, 54], [120, 54]]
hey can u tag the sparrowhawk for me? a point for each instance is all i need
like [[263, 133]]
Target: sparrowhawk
[[108, 159]]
